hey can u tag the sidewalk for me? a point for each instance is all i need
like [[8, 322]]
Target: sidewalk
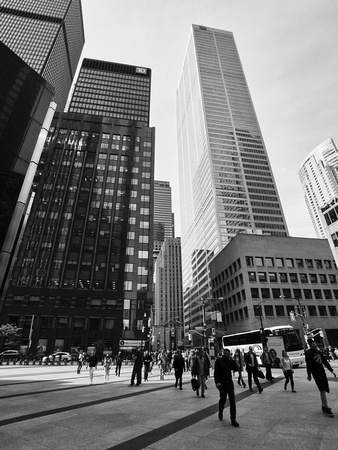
[[43, 407]]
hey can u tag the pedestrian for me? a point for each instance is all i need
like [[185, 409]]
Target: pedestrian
[[239, 359], [137, 369], [224, 366], [107, 362], [80, 361], [147, 361], [162, 363], [118, 363], [200, 365], [92, 364], [178, 366], [251, 364], [315, 362], [267, 363], [286, 366]]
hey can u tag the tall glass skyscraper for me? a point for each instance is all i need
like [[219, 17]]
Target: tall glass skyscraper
[[48, 36], [318, 175], [226, 181], [163, 214]]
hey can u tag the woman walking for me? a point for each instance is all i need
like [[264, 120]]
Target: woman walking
[[107, 362], [286, 365]]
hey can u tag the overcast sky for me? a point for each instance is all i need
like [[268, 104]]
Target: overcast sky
[[288, 50]]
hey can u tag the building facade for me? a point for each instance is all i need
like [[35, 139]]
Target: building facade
[[168, 306], [25, 99], [163, 215], [84, 272], [268, 275], [226, 181], [48, 36], [112, 90], [318, 175]]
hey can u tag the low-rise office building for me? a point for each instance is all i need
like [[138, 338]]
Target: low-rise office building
[[259, 275]]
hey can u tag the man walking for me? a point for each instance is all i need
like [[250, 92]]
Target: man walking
[[137, 369], [118, 362], [267, 363], [251, 365], [223, 380], [315, 362], [178, 366]]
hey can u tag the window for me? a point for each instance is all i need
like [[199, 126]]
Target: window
[[327, 264], [259, 261], [289, 263], [272, 277], [299, 263], [254, 293], [143, 254], [268, 309], [313, 278], [322, 278], [293, 278], [332, 279], [317, 294], [312, 310], [322, 310], [249, 260], [307, 294], [129, 267], [332, 310], [309, 263], [303, 277], [269, 262], [280, 310], [327, 294], [265, 293], [276, 293], [262, 276], [130, 251], [279, 262], [318, 263], [252, 276], [128, 285], [283, 277]]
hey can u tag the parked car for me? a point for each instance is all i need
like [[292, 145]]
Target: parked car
[[58, 356], [12, 354]]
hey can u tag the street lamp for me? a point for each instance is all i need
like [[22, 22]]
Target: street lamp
[[263, 340], [299, 312]]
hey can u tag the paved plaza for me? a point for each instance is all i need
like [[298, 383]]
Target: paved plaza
[[51, 407]]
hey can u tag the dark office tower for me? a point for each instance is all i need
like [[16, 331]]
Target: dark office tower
[[84, 269], [226, 181], [48, 36], [112, 90], [25, 116]]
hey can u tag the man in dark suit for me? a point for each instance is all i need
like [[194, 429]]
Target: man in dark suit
[[251, 364], [223, 380]]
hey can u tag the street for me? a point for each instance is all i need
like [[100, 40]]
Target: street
[[52, 406]]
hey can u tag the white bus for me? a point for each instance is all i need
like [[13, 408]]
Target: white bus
[[277, 338]]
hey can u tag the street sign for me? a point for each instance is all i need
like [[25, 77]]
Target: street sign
[[130, 343]]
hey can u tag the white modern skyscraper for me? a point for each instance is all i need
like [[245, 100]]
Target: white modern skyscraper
[[319, 178], [226, 181]]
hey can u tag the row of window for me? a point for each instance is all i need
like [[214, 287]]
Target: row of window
[[309, 294], [299, 263], [283, 277]]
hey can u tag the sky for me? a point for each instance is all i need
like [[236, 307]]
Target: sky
[[288, 49]]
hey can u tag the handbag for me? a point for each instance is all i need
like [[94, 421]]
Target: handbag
[[260, 374], [194, 384]]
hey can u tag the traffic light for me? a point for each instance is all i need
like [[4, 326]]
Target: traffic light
[[213, 331], [173, 332]]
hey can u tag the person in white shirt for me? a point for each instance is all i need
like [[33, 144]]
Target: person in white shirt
[[286, 365]]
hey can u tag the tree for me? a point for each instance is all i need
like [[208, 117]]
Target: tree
[[11, 333]]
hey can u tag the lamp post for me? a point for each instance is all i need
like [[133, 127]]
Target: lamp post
[[263, 340], [299, 312]]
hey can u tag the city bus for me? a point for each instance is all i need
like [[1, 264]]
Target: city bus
[[285, 334]]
